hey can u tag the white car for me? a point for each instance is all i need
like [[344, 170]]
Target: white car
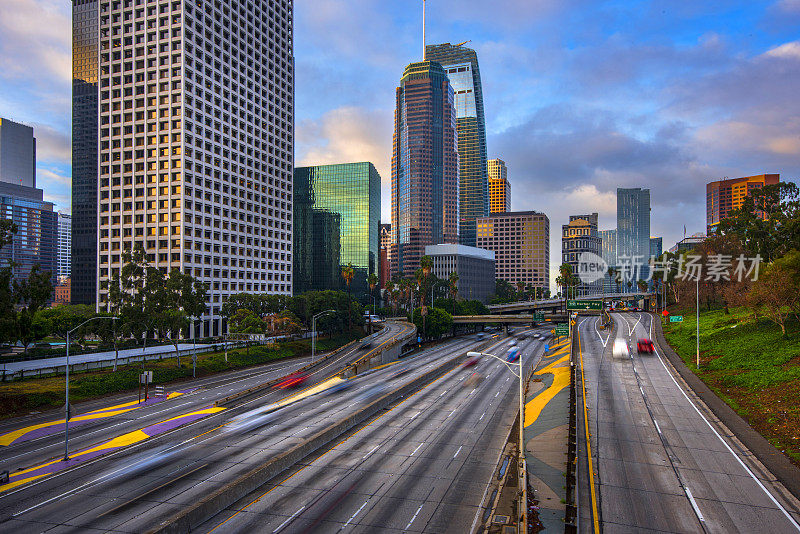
[[620, 349]]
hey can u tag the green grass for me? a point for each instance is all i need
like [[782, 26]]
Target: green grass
[[23, 395], [750, 365]]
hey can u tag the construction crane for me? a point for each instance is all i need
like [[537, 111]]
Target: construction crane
[[461, 44]]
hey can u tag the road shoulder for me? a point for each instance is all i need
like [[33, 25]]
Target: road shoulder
[[771, 458]]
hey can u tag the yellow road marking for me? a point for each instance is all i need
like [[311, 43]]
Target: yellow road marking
[[595, 518], [534, 407]]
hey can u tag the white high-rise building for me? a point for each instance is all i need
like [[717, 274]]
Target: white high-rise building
[[64, 244], [196, 132]]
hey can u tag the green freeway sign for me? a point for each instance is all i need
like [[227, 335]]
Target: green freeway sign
[[537, 317], [574, 305], [676, 318], [562, 329]]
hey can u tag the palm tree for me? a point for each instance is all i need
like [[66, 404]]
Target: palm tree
[[390, 288], [372, 280], [564, 280], [453, 283], [348, 273], [520, 289]]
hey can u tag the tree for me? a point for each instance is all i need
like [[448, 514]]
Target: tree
[[437, 322], [61, 319], [504, 292], [389, 292], [29, 295], [372, 281], [348, 273], [520, 290], [7, 231], [776, 293], [452, 281], [246, 322]]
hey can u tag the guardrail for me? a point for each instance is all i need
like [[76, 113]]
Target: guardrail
[[193, 515], [377, 353]]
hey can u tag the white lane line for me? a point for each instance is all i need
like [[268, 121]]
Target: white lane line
[[415, 416], [714, 430], [370, 452], [355, 514], [598, 334], [451, 413], [694, 505], [482, 416], [415, 516], [165, 410], [459, 450], [657, 427], [415, 450], [630, 332], [496, 394], [289, 519]]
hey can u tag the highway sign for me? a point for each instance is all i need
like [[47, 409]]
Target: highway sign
[[584, 305], [537, 317], [676, 319], [562, 329]]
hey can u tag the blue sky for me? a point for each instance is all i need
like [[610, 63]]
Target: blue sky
[[580, 96]]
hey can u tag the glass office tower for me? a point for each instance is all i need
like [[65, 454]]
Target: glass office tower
[[337, 210], [85, 36], [461, 65], [633, 230], [424, 166]]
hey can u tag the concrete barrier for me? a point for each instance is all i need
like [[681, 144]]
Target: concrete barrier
[[227, 495]]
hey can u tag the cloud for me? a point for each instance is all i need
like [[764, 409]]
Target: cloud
[[48, 176], [35, 41], [787, 50], [52, 145]]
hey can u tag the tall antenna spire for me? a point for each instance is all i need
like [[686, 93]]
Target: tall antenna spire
[[423, 30]]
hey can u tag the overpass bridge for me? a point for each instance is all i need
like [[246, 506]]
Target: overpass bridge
[[552, 305]]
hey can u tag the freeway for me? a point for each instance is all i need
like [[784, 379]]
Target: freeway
[[36, 439], [135, 488], [661, 461], [421, 466]]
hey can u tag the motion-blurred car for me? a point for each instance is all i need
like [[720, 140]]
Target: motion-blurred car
[[473, 380], [644, 346], [620, 349], [471, 362], [398, 372], [480, 336], [513, 354], [344, 385], [512, 343], [294, 380]]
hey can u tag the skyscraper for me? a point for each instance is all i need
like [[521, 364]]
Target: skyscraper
[[193, 143], [499, 188], [345, 199], [424, 166], [633, 230], [461, 65], [520, 241], [608, 247], [656, 246], [64, 245], [85, 147], [722, 196], [577, 237], [17, 154], [34, 243]]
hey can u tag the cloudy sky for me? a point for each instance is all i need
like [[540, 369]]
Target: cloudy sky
[[581, 96]]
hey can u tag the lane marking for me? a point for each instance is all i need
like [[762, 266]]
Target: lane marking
[[415, 450], [355, 514], [289, 519], [370, 452], [657, 427], [744, 466], [694, 505], [595, 518], [481, 419], [415, 516], [459, 450], [598, 334]]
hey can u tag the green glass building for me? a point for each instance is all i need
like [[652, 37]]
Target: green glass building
[[337, 213], [461, 65]]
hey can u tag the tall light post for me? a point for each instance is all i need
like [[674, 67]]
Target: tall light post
[[521, 452], [314, 331], [194, 347], [697, 316], [66, 384]]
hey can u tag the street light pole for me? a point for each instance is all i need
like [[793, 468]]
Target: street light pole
[[314, 331], [697, 316], [66, 385], [194, 347]]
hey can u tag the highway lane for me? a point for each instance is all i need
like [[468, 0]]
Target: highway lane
[[137, 501], [423, 466], [663, 462], [27, 453]]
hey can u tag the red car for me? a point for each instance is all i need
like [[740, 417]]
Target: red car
[[644, 346], [294, 380]]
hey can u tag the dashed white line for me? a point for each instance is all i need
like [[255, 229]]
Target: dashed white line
[[657, 427], [370, 452], [415, 450], [415, 516], [496, 394], [289, 519], [459, 450], [354, 515], [694, 505], [481, 419]]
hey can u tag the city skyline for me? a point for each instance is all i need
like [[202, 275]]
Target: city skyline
[[671, 109]]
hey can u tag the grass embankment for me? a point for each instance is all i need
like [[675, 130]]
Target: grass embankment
[[750, 365], [22, 396]]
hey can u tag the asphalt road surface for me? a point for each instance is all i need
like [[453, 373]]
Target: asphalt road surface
[[422, 466], [661, 461], [135, 488], [202, 393]]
